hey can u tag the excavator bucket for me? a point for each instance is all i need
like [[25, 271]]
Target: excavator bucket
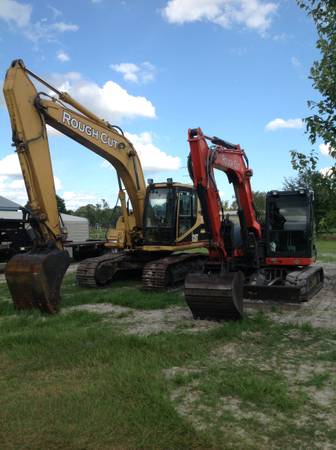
[[215, 296], [34, 279]]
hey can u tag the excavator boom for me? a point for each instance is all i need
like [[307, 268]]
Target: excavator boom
[[34, 278]]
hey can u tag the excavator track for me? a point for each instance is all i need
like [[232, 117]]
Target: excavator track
[[215, 296], [157, 274], [98, 271], [170, 271], [299, 286]]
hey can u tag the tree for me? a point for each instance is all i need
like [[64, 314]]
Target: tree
[[225, 205], [322, 123], [259, 200], [323, 186], [88, 211], [61, 204], [100, 214]]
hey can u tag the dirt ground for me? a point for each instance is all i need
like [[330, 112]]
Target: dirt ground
[[309, 379], [319, 311]]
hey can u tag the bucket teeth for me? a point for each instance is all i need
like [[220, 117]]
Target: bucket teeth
[[34, 279], [215, 296]]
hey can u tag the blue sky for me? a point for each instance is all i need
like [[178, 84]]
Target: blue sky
[[236, 68]]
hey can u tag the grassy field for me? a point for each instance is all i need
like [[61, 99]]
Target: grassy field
[[326, 250], [86, 380]]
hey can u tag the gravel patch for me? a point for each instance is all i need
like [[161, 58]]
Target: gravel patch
[[320, 311], [146, 322]]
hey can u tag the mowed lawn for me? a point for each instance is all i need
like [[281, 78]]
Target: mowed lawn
[[80, 380]]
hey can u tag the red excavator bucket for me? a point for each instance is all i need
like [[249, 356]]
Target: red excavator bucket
[[34, 279], [215, 296]]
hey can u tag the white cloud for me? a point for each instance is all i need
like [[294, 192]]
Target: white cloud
[[10, 166], [142, 73], [15, 12], [152, 158], [12, 190], [19, 16], [74, 200], [278, 123], [109, 101], [62, 56], [326, 171], [58, 183], [11, 181], [56, 12], [52, 131], [43, 30], [12, 185], [129, 71], [62, 27], [253, 14], [281, 37], [295, 61], [325, 149]]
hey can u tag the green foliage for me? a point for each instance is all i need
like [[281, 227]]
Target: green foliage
[[324, 187], [259, 200], [322, 123], [61, 204], [226, 205], [100, 214]]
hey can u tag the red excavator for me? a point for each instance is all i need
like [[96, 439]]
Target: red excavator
[[273, 261]]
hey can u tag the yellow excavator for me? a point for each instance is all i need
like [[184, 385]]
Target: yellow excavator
[[163, 218]]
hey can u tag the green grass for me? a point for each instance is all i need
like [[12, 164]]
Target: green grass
[[99, 233], [263, 388], [124, 293], [326, 250], [75, 381]]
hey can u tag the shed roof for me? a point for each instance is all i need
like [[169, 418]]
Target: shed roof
[[70, 218], [8, 205]]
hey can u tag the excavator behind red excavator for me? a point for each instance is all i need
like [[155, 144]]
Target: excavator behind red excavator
[[248, 260]]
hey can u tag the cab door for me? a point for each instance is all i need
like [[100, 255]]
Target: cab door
[[187, 214]]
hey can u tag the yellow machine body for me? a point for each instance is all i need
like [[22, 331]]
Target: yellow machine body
[[32, 277]]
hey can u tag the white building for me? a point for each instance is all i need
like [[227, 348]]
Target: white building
[[78, 227]]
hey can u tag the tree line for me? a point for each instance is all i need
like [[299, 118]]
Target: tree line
[[100, 215]]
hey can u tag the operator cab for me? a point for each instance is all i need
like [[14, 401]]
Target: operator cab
[[289, 225], [171, 214]]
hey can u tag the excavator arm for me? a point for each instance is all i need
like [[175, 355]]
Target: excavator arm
[[231, 159], [218, 292], [29, 112]]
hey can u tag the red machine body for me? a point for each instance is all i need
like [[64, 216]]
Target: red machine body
[[270, 263]]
